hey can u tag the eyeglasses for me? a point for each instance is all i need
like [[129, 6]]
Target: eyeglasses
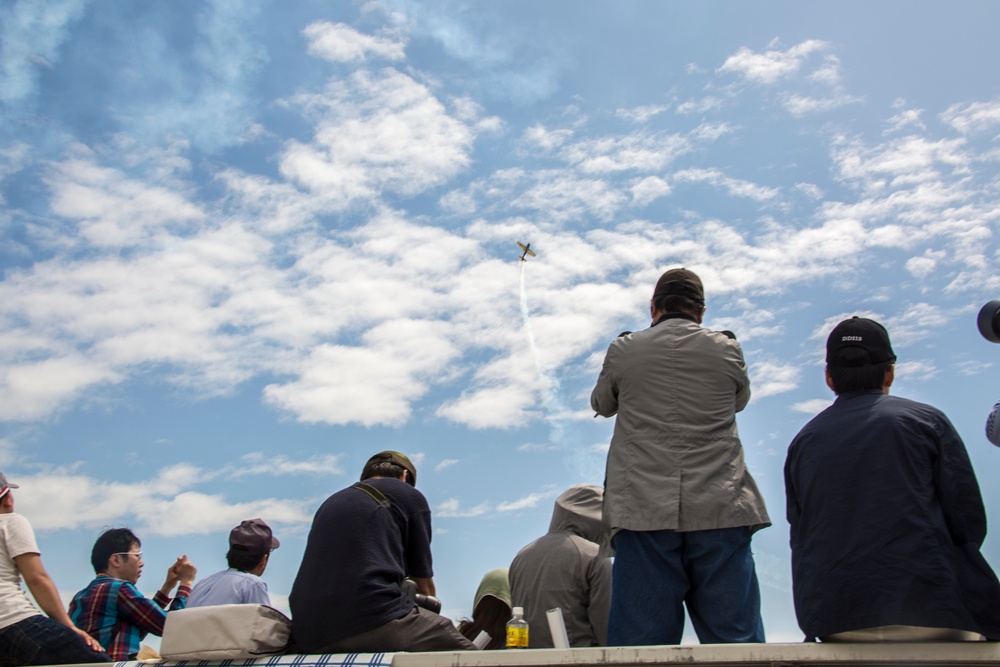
[[137, 554]]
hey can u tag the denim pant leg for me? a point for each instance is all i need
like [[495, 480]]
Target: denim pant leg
[[724, 600], [39, 640], [648, 588]]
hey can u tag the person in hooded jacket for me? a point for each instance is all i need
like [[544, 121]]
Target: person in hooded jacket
[[564, 569], [490, 611]]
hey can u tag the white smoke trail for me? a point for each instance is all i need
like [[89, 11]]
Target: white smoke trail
[[587, 466], [552, 403]]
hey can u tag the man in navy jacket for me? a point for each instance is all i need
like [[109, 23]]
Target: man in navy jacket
[[885, 511]]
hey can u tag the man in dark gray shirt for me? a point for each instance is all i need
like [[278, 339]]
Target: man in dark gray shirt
[[347, 596]]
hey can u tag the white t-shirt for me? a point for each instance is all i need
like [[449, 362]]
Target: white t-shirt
[[16, 538]]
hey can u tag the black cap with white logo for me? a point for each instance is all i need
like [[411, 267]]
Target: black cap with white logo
[[862, 333]]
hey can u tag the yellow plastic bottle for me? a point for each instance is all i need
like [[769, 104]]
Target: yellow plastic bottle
[[517, 630]]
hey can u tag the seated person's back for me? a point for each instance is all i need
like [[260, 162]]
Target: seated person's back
[[564, 569], [250, 546], [364, 540], [885, 512]]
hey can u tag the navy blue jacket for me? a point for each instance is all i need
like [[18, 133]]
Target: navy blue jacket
[[886, 521]]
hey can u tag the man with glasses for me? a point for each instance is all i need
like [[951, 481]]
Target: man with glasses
[[26, 636], [250, 547], [112, 610]]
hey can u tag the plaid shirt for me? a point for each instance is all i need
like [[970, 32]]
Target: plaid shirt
[[117, 615]]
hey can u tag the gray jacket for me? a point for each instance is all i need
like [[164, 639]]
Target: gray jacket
[[675, 460], [563, 569]]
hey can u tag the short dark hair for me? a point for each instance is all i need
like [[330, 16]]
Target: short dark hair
[[382, 469], [112, 541], [241, 560], [846, 377], [675, 303]]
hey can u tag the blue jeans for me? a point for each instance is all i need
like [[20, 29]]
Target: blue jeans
[[656, 572], [41, 641]]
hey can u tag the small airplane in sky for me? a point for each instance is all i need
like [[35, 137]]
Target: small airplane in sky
[[526, 249]]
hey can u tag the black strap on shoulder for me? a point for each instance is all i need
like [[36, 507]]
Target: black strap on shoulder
[[373, 493]]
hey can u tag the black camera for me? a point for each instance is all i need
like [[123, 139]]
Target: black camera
[[428, 602], [989, 321]]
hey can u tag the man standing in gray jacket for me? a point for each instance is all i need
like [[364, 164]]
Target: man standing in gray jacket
[[564, 569], [678, 498]]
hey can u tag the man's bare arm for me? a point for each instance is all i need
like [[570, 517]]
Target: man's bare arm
[[44, 590], [425, 586]]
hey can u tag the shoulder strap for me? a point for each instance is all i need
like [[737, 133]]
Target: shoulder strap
[[373, 493]]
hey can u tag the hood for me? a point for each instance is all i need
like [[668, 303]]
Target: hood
[[578, 511], [494, 583]]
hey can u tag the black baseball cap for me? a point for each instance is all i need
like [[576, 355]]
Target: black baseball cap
[[861, 333]]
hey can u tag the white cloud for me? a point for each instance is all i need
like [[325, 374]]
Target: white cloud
[[341, 43], [258, 463], [32, 390], [13, 158], [810, 190], [538, 136], [735, 187], [648, 189], [453, 508], [905, 119], [769, 378], [530, 500], [373, 384], [376, 134], [505, 406], [918, 369], [973, 117], [641, 114], [923, 266], [163, 505], [800, 105], [770, 66], [444, 464], [699, 106], [630, 152], [813, 406], [563, 196], [828, 73], [113, 210], [712, 131]]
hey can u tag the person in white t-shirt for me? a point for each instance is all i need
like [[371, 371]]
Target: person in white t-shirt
[[28, 637]]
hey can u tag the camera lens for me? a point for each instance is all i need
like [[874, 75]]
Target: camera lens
[[989, 321]]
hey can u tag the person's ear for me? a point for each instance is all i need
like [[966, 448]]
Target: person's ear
[[890, 375]]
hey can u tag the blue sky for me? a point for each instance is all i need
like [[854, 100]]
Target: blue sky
[[245, 245]]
